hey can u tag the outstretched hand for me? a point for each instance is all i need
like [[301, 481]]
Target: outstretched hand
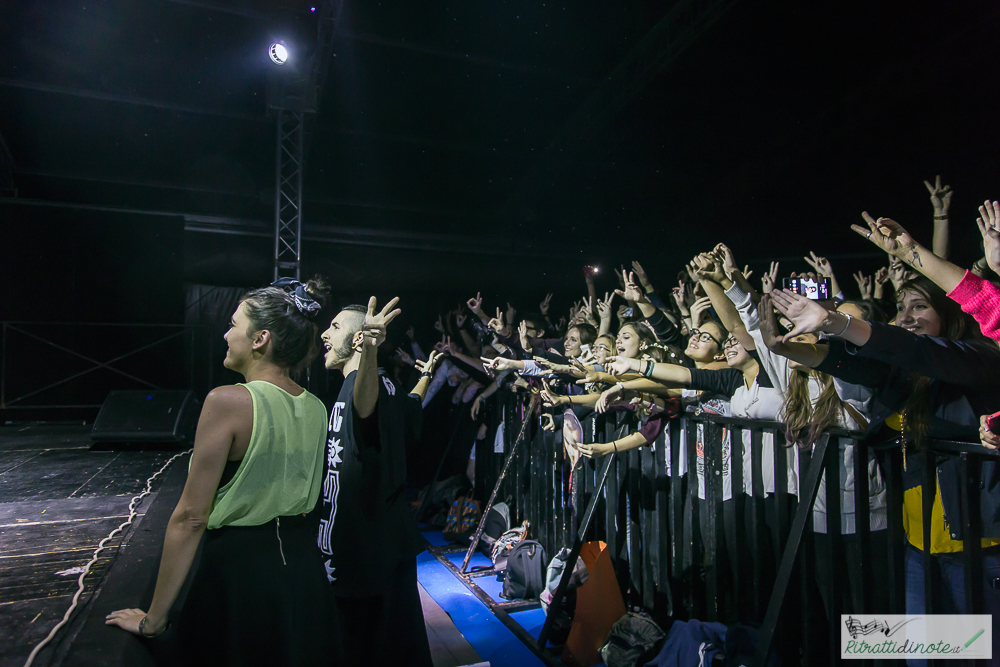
[[807, 315], [864, 285], [709, 267], [698, 308], [475, 304], [723, 252], [428, 366], [497, 323], [821, 265], [989, 226], [940, 196], [640, 273], [375, 323], [621, 365], [632, 291], [609, 398], [549, 397], [887, 234], [604, 306], [769, 331], [543, 307], [769, 279]]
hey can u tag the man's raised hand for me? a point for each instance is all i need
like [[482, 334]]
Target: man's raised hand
[[375, 323]]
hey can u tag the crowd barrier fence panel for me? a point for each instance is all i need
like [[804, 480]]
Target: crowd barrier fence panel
[[689, 542]]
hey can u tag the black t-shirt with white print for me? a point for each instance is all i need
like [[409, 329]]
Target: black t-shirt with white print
[[365, 528]]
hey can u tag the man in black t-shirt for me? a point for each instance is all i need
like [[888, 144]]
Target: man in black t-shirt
[[367, 535]]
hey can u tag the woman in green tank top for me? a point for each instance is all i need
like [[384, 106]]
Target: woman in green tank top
[[259, 594]]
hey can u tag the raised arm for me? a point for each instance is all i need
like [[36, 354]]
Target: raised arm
[[940, 200], [372, 335], [951, 361], [714, 281], [620, 366], [890, 236], [426, 369]]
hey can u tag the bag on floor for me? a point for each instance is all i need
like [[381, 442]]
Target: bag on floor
[[497, 523], [633, 641], [525, 578], [561, 622], [463, 518], [554, 573], [440, 499], [506, 542]]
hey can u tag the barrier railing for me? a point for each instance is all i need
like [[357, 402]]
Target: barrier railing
[[692, 533], [59, 366]]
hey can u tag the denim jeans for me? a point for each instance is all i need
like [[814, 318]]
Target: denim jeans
[[951, 595]]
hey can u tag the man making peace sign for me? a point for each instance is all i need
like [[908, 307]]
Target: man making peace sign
[[367, 535]]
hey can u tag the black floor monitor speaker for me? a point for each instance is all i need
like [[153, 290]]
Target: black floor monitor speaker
[[147, 416]]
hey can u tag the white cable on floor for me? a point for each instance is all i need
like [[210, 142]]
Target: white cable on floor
[[101, 547]]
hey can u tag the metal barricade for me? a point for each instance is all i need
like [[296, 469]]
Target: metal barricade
[[692, 533]]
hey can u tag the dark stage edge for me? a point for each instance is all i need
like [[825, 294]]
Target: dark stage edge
[[58, 500]]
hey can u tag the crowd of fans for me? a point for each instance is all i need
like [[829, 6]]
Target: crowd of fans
[[909, 356]]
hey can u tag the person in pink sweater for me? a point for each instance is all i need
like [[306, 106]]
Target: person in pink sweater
[[977, 296]]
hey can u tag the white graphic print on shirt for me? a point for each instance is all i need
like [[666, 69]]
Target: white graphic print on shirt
[[331, 485]]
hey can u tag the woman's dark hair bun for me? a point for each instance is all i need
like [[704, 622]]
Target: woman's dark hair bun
[[319, 290]]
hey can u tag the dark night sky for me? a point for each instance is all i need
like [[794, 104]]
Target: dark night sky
[[771, 131]]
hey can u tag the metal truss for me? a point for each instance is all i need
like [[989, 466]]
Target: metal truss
[[288, 199], [297, 105]]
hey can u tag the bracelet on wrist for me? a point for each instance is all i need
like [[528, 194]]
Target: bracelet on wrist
[[846, 326], [142, 630], [941, 217]]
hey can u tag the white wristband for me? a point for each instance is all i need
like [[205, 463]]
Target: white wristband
[[846, 326]]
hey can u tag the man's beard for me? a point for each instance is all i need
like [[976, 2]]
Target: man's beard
[[342, 354]]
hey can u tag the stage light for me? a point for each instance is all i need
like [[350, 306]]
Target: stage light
[[278, 53], [312, 9]]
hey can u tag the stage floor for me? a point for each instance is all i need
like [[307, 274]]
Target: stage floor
[[59, 498]]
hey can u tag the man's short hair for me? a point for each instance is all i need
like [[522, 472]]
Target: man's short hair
[[355, 322]]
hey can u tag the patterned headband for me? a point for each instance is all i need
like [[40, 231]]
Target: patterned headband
[[307, 305]]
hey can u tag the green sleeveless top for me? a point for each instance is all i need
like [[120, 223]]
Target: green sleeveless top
[[281, 473]]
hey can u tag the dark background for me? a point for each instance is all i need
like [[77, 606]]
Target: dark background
[[455, 149]]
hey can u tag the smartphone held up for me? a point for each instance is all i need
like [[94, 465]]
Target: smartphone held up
[[818, 290]]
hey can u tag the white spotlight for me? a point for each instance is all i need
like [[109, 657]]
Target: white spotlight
[[278, 53]]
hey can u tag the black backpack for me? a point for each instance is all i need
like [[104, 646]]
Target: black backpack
[[525, 571], [497, 523]]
